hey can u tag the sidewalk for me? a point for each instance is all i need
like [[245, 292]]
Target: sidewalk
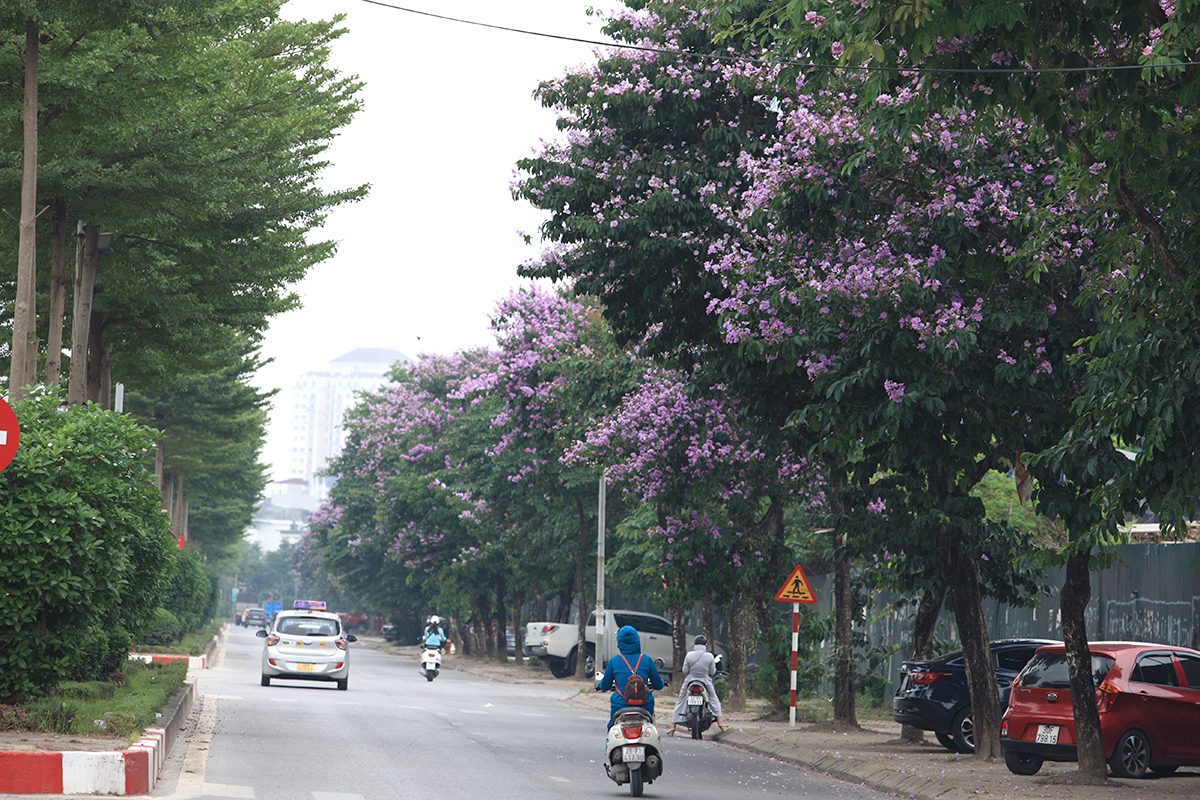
[[874, 756]]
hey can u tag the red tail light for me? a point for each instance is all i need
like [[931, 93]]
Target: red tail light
[[1106, 696], [696, 688], [548, 629], [632, 731], [272, 640], [341, 644], [926, 677], [1004, 727]]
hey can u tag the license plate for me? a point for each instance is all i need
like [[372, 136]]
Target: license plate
[[306, 667], [1047, 734], [634, 754], [695, 700]]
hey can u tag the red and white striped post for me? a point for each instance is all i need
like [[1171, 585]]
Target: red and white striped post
[[797, 590]]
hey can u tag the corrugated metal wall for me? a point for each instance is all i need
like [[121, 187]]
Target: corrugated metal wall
[[1147, 595]]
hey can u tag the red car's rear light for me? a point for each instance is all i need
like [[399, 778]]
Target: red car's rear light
[[926, 677], [632, 731], [272, 640], [1106, 696], [1004, 728], [548, 629]]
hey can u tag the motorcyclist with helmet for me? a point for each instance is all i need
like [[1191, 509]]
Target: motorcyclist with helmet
[[698, 665], [434, 636]]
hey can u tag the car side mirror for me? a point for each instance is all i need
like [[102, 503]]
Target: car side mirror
[[260, 633], [351, 638]]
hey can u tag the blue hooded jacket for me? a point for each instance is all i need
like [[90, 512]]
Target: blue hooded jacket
[[617, 672]]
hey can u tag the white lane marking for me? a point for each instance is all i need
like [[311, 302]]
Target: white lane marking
[[469, 711], [284, 700], [413, 708], [336, 796], [556, 778], [224, 696], [525, 714], [345, 703], [226, 790]]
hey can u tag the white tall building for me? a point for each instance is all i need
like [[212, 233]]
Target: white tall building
[[313, 409]]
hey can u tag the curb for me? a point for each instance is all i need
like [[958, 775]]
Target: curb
[[122, 772], [845, 769]]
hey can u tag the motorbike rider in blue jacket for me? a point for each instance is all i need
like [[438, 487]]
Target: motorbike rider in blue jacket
[[620, 668]]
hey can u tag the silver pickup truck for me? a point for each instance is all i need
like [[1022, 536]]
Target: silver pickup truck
[[557, 643]]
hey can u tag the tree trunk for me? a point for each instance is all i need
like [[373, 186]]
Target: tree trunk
[[679, 643], [501, 620], [1076, 592], [58, 291], [739, 635], [518, 625], [464, 636], [99, 365], [485, 624], [581, 592], [922, 646], [706, 622], [972, 631], [23, 369], [86, 257], [844, 711]]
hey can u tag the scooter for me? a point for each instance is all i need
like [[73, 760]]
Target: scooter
[[431, 662], [633, 749], [699, 715]]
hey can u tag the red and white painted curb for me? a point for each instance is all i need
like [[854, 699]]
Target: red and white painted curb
[[194, 662], [120, 772]]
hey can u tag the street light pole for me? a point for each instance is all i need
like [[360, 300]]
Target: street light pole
[[600, 632]]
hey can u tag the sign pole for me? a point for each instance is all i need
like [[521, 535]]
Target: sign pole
[[795, 650]]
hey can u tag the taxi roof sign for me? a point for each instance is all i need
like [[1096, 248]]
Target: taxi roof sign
[[311, 605], [796, 589]]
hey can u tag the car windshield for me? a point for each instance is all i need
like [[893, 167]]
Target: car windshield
[[1050, 671], [306, 626]]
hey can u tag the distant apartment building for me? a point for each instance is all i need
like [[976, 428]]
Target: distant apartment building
[[313, 409]]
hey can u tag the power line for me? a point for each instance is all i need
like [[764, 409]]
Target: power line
[[788, 62]]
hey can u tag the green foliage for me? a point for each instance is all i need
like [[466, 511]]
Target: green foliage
[[83, 540], [192, 596], [772, 679], [101, 654], [164, 629]]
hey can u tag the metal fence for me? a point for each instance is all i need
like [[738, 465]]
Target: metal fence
[[1147, 595]]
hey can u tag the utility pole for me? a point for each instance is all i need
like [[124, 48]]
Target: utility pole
[[600, 631]]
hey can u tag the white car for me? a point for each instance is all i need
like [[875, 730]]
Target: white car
[[307, 644]]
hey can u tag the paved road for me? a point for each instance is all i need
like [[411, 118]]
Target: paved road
[[395, 735]]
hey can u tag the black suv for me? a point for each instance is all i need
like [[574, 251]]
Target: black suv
[[933, 695], [255, 617]]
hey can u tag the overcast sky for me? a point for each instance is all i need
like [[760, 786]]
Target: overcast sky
[[447, 112]]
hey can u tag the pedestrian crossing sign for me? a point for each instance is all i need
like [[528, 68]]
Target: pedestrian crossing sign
[[796, 588]]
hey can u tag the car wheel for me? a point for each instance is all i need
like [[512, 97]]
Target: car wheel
[[589, 663], [343, 684], [558, 668], [266, 680], [1022, 763], [963, 731], [1131, 756], [946, 741], [1164, 769]]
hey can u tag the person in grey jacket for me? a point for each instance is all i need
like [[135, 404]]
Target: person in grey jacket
[[698, 665]]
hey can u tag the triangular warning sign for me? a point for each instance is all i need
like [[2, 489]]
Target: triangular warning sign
[[796, 588]]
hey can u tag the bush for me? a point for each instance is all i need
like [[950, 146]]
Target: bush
[[102, 653], [83, 539], [192, 595], [164, 630]]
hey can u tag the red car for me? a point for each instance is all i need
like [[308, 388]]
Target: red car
[[1149, 701]]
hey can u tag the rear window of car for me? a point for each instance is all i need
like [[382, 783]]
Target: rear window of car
[[306, 626], [1050, 671], [1191, 669]]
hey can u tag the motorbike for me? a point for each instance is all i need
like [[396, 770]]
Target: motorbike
[[699, 715], [431, 662], [633, 749]]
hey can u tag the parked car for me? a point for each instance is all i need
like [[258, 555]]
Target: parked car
[[934, 696], [389, 632], [557, 643], [309, 645], [355, 622], [1149, 702]]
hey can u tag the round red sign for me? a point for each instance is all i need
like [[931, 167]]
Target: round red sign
[[10, 434]]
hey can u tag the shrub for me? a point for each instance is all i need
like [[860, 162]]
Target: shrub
[[102, 653], [83, 539], [163, 630]]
